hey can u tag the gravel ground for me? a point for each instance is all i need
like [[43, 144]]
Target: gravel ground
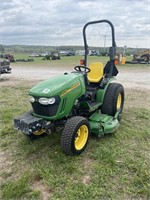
[[130, 77]]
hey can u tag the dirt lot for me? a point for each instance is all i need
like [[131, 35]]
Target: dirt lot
[[133, 77]]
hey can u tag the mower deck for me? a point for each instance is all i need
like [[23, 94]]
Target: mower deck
[[102, 124]]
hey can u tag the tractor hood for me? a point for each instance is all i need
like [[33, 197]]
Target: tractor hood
[[59, 85]]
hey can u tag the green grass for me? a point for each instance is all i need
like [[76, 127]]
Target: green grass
[[113, 167], [68, 61], [64, 61]]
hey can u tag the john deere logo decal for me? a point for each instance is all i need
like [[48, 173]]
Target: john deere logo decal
[[45, 90]]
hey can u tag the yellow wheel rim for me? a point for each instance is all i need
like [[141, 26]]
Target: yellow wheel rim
[[81, 138], [119, 100], [40, 132]]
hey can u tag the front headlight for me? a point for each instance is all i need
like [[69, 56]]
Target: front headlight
[[31, 99], [46, 101]]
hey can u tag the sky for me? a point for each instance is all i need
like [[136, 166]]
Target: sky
[[60, 22]]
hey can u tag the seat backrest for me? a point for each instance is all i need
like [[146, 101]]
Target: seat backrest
[[96, 73]]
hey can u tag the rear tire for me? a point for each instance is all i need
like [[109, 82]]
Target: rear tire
[[113, 100], [75, 135], [146, 57]]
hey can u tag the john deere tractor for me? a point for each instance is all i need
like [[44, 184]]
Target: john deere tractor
[[83, 102]]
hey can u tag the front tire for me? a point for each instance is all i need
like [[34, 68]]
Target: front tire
[[75, 135], [38, 134]]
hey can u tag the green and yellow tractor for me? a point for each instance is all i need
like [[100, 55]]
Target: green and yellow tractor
[[83, 102]]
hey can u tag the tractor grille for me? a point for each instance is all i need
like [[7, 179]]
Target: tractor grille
[[45, 110]]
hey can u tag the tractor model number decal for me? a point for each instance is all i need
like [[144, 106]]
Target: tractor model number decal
[[70, 89]]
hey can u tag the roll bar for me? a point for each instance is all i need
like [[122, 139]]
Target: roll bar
[[112, 49]]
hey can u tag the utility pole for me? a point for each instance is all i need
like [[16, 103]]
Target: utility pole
[[104, 42]]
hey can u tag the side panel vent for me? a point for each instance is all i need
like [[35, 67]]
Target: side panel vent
[[63, 105]]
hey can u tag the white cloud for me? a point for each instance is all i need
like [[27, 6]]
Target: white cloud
[[60, 22]]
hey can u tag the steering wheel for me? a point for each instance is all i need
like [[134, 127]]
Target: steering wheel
[[79, 68]]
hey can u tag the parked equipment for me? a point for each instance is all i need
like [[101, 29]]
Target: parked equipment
[[120, 59], [5, 67], [82, 102], [9, 57], [143, 57], [52, 56]]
